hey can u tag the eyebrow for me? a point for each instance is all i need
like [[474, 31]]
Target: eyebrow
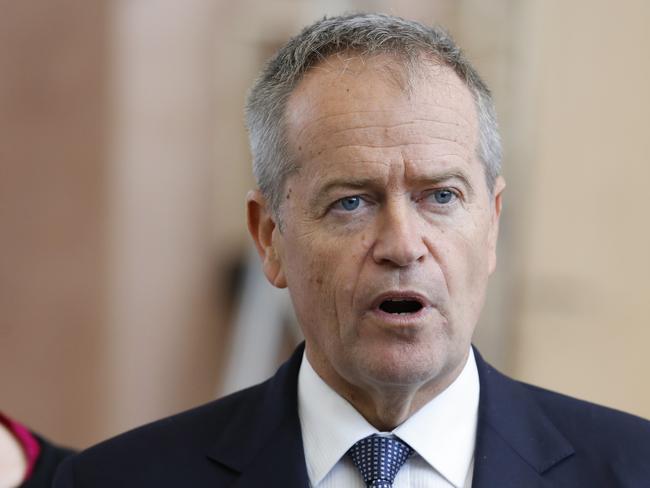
[[358, 183], [449, 175], [342, 183]]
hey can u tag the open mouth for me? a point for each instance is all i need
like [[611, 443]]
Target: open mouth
[[400, 306]]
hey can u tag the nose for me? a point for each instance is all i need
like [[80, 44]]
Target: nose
[[399, 239]]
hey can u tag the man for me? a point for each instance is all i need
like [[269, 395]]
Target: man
[[377, 160]]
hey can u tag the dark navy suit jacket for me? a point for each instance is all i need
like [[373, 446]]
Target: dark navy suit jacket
[[527, 438]]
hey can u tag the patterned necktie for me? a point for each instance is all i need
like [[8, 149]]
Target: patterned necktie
[[379, 458]]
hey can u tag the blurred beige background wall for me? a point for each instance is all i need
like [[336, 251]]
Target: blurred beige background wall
[[124, 164], [53, 212]]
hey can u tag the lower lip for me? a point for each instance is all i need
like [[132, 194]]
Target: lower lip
[[403, 319]]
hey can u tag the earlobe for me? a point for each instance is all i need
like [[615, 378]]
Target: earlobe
[[265, 234], [272, 266]]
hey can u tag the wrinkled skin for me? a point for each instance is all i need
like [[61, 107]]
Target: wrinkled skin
[[389, 197]]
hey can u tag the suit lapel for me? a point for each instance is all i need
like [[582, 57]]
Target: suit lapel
[[516, 442], [263, 441], [280, 462]]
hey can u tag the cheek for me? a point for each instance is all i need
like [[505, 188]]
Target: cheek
[[307, 271], [310, 291], [324, 271], [465, 262]]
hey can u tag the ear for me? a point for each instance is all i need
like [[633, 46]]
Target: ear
[[265, 234], [495, 203]]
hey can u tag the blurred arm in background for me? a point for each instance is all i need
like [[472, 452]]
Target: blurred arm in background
[[26, 459]]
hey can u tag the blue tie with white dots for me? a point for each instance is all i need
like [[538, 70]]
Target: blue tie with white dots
[[379, 458]]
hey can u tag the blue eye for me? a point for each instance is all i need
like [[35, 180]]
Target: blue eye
[[443, 196], [350, 203]]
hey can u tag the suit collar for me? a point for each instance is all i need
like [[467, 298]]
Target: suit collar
[[263, 440], [516, 441]]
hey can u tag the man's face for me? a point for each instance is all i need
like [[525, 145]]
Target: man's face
[[388, 228]]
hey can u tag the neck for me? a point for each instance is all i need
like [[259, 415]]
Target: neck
[[386, 406], [385, 411]]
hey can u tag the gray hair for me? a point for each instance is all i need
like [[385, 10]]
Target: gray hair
[[365, 34]]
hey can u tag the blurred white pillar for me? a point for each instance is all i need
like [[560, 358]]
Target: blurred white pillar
[[263, 315]]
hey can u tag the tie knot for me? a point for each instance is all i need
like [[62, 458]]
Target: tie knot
[[379, 458]]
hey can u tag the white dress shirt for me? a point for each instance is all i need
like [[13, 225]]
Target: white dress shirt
[[442, 433]]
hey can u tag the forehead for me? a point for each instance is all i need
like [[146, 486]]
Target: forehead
[[353, 92]]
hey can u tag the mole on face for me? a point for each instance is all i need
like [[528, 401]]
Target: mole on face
[[288, 194]]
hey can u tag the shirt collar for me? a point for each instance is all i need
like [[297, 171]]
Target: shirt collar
[[442, 432]]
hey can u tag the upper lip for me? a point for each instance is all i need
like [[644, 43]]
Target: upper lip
[[400, 295]]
